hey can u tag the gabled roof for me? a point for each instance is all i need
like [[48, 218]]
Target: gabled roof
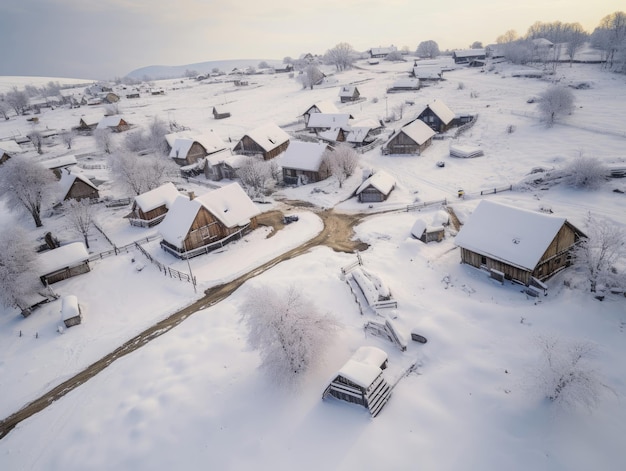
[[515, 236], [65, 256], [109, 122], [347, 91], [426, 72], [91, 119], [68, 179], [382, 50], [229, 204], [381, 180], [325, 106], [364, 366], [407, 83], [417, 130], [163, 195], [469, 53], [445, 114], [64, 161], [210, 140], [10, 147], [304, 156], [328, 120], [268, 136]]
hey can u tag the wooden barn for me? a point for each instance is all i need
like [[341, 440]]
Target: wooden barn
[[267, 141], [376, 188], [412, 138], [360, 381], [194, 226], [438, 116], [349, 93], [363, 132], [427, 73], [63, 263], [220, 114], [426, 232], [467, 55], [189, 148], [115, 123], [149, 208], [88, 122], [516, 244], [319, 107], [303, 162], [404, 85], [71, 313], [381, 52], [74, 186], [319, 122]]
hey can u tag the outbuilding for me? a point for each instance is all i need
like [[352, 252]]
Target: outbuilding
[[71, 313]]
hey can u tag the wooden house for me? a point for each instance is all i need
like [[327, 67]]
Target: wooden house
[[223, 165], [88, 122], [376, 188], [319, 107], [63, 263], [188, 148], [60, 164], [267, 141], [360, 381], [410, 139], [427, 73], [194, 226], [363, 132], [9, 149], [319, 122], [349, 93], [516, 244], [75, 186], [71, 313], [303, 162], [220, 114], [467, 55], [380, 52], [115, 123], [404, 85], [438, 116], [334, 135], [149, 208]]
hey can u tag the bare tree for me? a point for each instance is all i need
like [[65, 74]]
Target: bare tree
[[429, 49], [27, 186], [104, 139], [254, 174], [341, 56], [80, 214], [341, 162], [556, 101], [18, 276], [395, 56], [476, 45], [138, 174], [37, 139], [311, 75], [602, 254], [4, 108], [18, 100], [610, 36], [156, 135], [564, 373], [68, 138], [509, 36], [519, 51], [585, 173], [289, 332], [576, 38]]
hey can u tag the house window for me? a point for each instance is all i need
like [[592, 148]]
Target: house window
[[483, 260]]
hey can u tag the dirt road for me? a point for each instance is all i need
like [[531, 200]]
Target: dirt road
[[337, 234]]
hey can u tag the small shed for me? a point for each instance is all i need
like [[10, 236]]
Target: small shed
[[74, 186], [376, 188], [324, 121], [71, 313], [360, 380], [149, 208], [63, 263], [404, 85], [413, 138], [303, 162], [220, 114], [427, 233], [349, 93], [325, 106], [427, 73], [115, 123], [88, 122], [60, 165]]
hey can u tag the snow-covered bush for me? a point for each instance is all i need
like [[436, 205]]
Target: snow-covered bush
[[585, 172]]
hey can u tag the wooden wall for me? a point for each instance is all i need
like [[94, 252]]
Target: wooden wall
[[403, 144]]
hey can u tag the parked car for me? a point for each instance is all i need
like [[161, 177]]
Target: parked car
[[290, 219]]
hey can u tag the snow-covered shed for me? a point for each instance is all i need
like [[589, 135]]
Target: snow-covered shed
[[89, 122], [115, 123], [517, 243], [63, 262], [437, 115], [75, 186], [71, 313], [412, 138], [360, 380], [427, 232], [197, 225], [376, 188], [349, 93], [325, 121], [303, 162], [465, 56], [324, 106], [149, 208], [59, 163], [187, 148], [427, 73], [267, 140], [404, 85]]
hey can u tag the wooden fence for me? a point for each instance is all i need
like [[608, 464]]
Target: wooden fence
[[167, 271], [493, 191], [418, 206]]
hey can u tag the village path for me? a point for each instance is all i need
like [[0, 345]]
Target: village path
[[338, 233]]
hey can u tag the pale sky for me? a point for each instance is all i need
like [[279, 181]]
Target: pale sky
[[103, 39]]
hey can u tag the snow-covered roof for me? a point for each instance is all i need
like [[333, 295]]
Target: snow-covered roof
[[68, 179], [229, 204], [347, 90], [65, 256], [364, 366], [407, 83], [325, 106], [426, 72], [269, 136], [512, 235], [91, 119], [418, 228], [445, 114], [10, 147], [163, 195], [109, 122], [59, 162], [303, 156], [469, 53], [542, 42], [381, 180], [69, 307], [328, 120], [375, 51], [183, 140], [417, 130]]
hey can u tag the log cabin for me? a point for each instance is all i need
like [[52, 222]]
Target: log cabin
[[412, 138], [150, 208], [266, 141]]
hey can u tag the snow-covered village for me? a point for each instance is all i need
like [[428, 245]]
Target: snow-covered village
[[388, 259]]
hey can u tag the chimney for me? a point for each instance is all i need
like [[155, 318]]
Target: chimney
[[191, 195]]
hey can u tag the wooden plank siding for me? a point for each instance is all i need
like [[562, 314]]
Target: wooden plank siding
[[65, 273], [429, 117], [148, 218], [196, 152], [80, 190], [247, 146], [403, 144], [207, 229]]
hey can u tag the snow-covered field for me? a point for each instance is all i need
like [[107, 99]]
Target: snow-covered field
[[194, 398]]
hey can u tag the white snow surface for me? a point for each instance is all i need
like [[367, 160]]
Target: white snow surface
[[162, 195], [61, 257], [381, 180], [303, 155], [194, 398]]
